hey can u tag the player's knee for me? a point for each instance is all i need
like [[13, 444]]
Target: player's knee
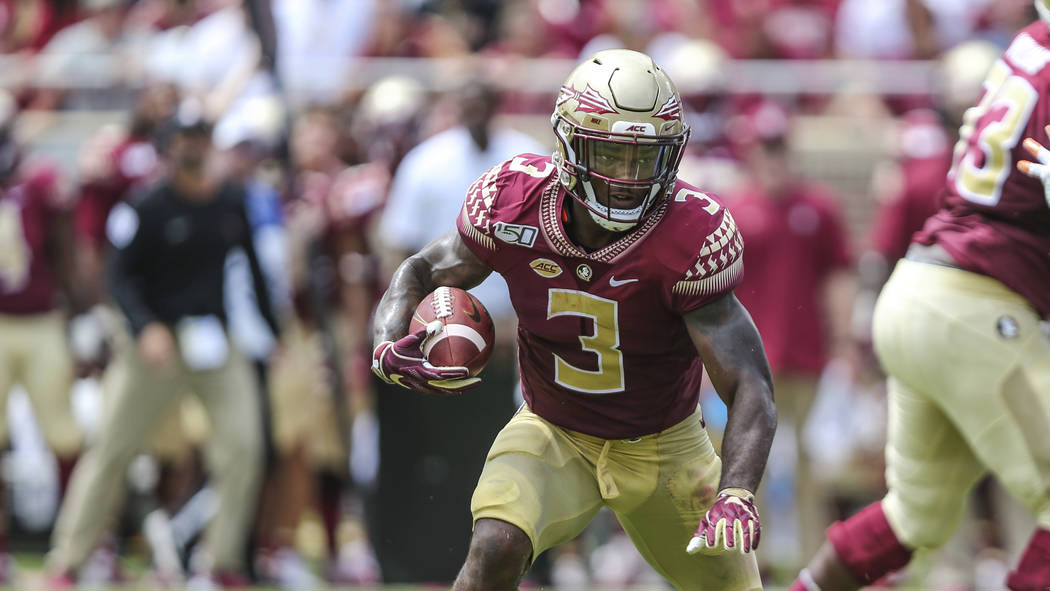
[[924, 521], [1033, 571], [64, 441], [867, 546], [499, 551]]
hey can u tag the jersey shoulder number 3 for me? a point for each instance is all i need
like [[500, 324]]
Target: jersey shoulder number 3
[[981, 161]]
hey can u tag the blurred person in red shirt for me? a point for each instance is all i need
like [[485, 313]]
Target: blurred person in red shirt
[[27, 25], [114, 162], [908, 187], [797, 286], [36, 294], [334, 280], [785, 29]]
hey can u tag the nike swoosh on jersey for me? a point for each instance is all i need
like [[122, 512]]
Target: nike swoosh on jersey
[[613, 281]]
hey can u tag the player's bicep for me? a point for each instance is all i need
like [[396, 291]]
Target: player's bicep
[[729, 344], [450, 262]]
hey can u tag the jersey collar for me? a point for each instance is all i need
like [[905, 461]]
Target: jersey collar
[[551, 203]]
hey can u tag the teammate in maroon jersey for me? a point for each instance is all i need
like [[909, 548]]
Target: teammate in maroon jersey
[[957, 330], [36, 251], [622, 279]]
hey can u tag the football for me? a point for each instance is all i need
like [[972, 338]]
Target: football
[[466, 334]]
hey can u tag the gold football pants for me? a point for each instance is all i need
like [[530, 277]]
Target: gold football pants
[[550, 482], [969, 392]]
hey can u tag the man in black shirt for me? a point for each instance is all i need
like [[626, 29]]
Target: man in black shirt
[[166, 275]]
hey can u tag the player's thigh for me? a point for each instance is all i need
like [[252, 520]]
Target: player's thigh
[[1007, 421], [168, 441], [687, 478], [12, 351], [537, 479], [930, 469], [49, 381], [296, 389]]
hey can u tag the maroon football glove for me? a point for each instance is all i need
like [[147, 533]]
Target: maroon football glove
[[730, 525], [404, 364]]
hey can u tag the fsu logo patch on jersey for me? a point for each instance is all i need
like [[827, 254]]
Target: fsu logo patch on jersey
[[584, 272], [545, 268]]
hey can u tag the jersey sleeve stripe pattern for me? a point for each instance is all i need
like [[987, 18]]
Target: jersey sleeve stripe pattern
[[475, 234], [476, 209], [719, 264]]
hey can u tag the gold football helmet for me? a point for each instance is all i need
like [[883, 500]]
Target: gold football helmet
[[620, 128]]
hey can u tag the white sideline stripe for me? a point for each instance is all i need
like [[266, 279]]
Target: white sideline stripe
[[455, 330]]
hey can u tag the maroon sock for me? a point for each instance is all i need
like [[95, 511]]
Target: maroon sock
[[65, 472], [330, 492], [1033, 572], [867, 546]]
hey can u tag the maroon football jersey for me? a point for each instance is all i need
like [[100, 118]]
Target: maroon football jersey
[[131, 164], [27, 209], [602, 345], [995, 220]]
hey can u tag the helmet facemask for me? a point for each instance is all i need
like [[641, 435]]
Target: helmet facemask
[[618, 177], [621, 133]]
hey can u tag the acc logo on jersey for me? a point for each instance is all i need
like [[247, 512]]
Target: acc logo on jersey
[[516, 234], [545, 268]]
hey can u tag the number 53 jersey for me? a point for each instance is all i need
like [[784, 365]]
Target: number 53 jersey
[[602, 346], [995, 220]]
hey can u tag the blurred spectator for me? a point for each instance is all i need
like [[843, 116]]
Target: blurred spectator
[[908, 188], [316, 39], [796, 288], [710, 161], [166, 273], [27, 25], [895, 29], [334, 282], [36, 294], [78, 55], [429, 188], [773, 28], [113, 163]]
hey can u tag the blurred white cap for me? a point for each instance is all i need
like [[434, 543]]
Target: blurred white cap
[[390, 99], [259, 119], [962, 69], [696, 66]]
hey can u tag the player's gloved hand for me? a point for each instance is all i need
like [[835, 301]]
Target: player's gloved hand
[[730, 525], [1041, 170], [404, 364]]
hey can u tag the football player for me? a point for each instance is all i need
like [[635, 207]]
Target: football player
[[622, 278], [957, 330], [36, 251]]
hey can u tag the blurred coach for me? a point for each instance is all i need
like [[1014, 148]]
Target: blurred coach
[[166, 275]]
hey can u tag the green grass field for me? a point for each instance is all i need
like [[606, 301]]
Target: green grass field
[[31, 578]]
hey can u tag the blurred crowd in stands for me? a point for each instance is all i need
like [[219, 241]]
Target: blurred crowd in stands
[[346, 168]]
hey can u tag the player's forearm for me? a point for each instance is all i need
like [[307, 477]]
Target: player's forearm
[[409, 285], [748, 435]]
